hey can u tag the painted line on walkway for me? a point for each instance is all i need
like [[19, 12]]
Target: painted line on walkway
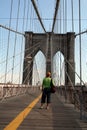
[[18, 120]]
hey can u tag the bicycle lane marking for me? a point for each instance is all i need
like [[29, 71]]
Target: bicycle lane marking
[[19, 119]]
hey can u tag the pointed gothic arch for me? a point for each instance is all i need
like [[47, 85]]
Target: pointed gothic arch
[[38, 72], [49, 43]]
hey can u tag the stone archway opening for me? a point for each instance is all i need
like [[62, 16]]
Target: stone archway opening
[[39, 68], [58, 69]]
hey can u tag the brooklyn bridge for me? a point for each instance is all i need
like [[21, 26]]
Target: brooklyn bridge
[[36, 37]]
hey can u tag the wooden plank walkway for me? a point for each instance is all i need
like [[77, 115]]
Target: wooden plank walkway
[[60, 116]]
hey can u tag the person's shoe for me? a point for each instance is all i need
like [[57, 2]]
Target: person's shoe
[[41, 107], [47, 107]]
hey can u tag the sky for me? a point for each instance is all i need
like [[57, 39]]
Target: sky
[[46, 8]]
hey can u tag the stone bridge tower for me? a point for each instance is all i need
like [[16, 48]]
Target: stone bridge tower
[[49, 43]]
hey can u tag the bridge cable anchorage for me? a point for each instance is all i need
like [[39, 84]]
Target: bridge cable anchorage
[[37, 12], [76, 94], [74, 70], [70, 79], [74, 89]]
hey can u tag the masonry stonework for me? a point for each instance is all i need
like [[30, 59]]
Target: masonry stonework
[[49, 43]]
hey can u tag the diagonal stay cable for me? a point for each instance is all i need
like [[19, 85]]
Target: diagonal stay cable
[[10, 29]]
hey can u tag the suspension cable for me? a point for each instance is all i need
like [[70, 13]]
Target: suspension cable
[[37, 12], [10, 29], [70, 80], [74, 71], [28, 49], [72, 15], [8, 42], [30, 53], [35, 47], [37, 71], [15, 41], [55, 14], [22, 37], [80, 40], [28, 72], [27, 14], [80, 33], [65, 15]]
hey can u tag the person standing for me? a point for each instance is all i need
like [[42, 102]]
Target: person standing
[[46, 93]]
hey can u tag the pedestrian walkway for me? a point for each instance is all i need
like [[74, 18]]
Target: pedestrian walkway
[[60, 116]]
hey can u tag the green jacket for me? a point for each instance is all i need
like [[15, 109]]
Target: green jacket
[[46, 82]]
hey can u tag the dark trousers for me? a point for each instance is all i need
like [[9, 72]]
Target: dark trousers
[[46, 95]]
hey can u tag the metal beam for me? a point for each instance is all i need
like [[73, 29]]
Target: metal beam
[[55, 14], [37, 12]]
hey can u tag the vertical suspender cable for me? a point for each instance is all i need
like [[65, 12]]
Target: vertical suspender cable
[[72, 8], [58, 70], [81, 98], [38, 76], [58, 30], [80, 39], [22, 36], [72, 16], [65, 28], [64, 46], [65, 15], [60, 66], [15, 42], [8, 42], [60, 45], [51, 48], [31, 18], [27, 15], [47, 46], [63, 32], [60, 18], [60, 49]]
